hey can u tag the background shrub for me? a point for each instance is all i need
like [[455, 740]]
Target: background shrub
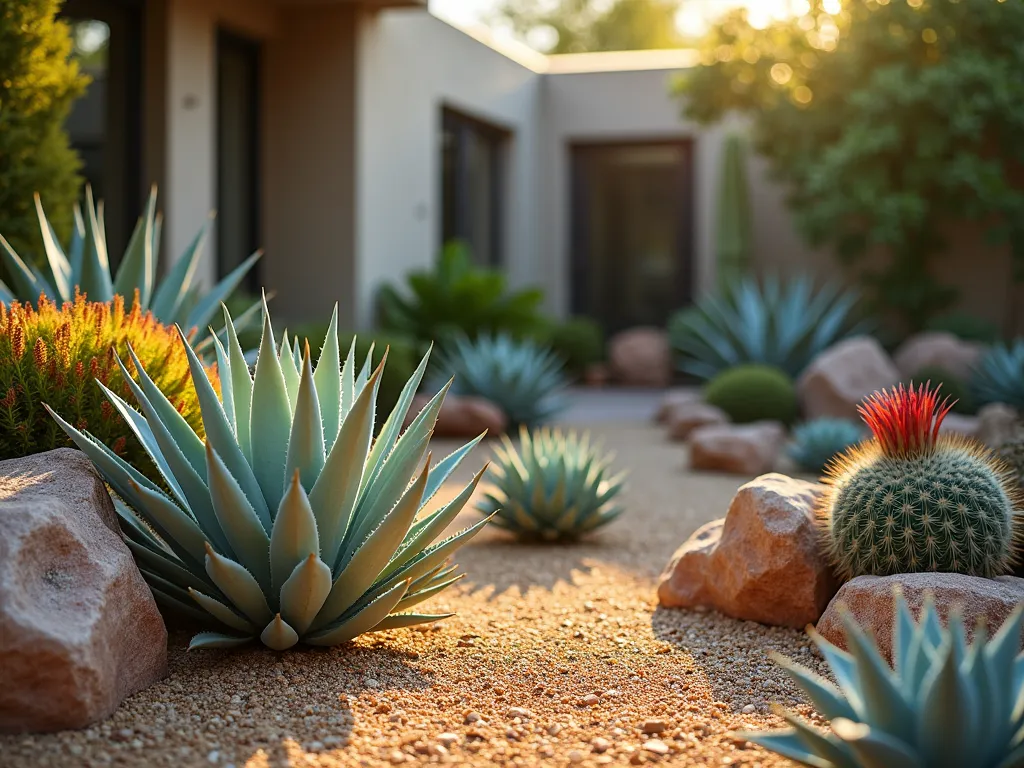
[[54, 355], [953, 387], [38, 84], [966, 326], [579, 341], [754, 393]]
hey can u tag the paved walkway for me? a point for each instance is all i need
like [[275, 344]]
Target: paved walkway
[[589, 405]]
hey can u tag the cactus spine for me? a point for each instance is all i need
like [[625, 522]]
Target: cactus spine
[[913, 500]]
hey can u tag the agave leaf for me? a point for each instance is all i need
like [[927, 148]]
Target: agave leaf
[[327, 378], [363, 621], [843, 668], [226, 394], [188, 610], [60, 269], [221, 612], [884, 705], [786, 743], [170, 296], [6, 295], [348, 393], [138, 267], [279, 635], [95, 280], [163, 565], [27, 280], [444, 468], [333, 497], [239, 586], [291, 373], [875, 748], [270, 420], [202, 312], [242, 526], [173, 524], [294, 537], [402, 620], [217, 640], [306, 443], [240, 384], [303, 594], [946, 710], [418, 597]]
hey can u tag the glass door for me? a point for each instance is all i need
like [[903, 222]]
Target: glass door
[[632, 232]]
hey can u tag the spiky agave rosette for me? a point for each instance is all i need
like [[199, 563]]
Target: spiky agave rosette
[[912, 500], [291, 523]]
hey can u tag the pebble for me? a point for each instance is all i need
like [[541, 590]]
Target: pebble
[[654, 726], [601, 744], [447, 739], [590, 700], [656, 746]]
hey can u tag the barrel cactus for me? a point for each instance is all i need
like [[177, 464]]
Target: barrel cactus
[[291, 523], [555, 488], [912, 500], [947, 703]]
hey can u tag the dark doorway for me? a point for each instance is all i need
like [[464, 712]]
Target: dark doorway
[[472, 185], [632, 232], [238, 154], [105, 125]]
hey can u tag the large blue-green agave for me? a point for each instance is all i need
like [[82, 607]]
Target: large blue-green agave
[[291, 523]]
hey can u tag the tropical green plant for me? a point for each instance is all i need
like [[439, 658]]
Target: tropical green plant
[[947, 703], [556, 487], [815, 443], [734, 232], [291, 523], [56, 354], [457, 298], [999, 375], [579, 341], [85, 265], [522, 378], [858, 107], [911, 499], [754, 393], [39, 82], [953, 387], [781, 324], [965, 326]]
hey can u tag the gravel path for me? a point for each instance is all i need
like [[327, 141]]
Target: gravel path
[[558, 656]]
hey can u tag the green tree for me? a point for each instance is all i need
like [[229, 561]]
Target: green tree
[[38, 83], [579, 27], [886, 119]]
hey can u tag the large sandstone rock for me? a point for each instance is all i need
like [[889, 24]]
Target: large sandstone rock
[[686, 417], [838, 379], [675, 398], [761, 563], [997, 423], [937, 349], [870, 600], [462, 416], [742, 449], [641, 357], [80, 629]]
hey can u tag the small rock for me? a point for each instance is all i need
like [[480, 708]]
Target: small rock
[[839, 379], [472, 717], [743, 449], [656, 746], [641, 357], [937, 349], [397, 757], [462, 416], [519, 712], [870, 600], [749, 709], [761, 562], [575, 756], [683, 419], [81, 630], [600, 745], [555, 729], [654, 726], [590, 700], [448, 739], [673, 399]]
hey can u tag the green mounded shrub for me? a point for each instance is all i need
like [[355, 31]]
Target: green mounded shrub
[[754, 393], [953, 387], [579, 341], [38, 83], [457, 298], [966, 326]]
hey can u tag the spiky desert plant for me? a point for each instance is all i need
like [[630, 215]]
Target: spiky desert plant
[[946, 704], [290, 523], [84, 265], [522, 378], [815, 443], [911, 499], [998, 376], [556, 487], [56, 354]]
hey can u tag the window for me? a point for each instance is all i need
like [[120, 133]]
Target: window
[[472, 185]]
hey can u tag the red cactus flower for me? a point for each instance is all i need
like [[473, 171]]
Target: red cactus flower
[[906, 420]]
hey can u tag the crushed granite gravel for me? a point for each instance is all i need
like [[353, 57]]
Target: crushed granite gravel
[[557, 656]]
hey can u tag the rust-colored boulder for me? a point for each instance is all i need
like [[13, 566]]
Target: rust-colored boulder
[[838, 379], [870, 600], [741, 449], [761, 563], [641, 357], [81, 630], [686, 417], [675, 398], [462, 416], [937, 349]]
